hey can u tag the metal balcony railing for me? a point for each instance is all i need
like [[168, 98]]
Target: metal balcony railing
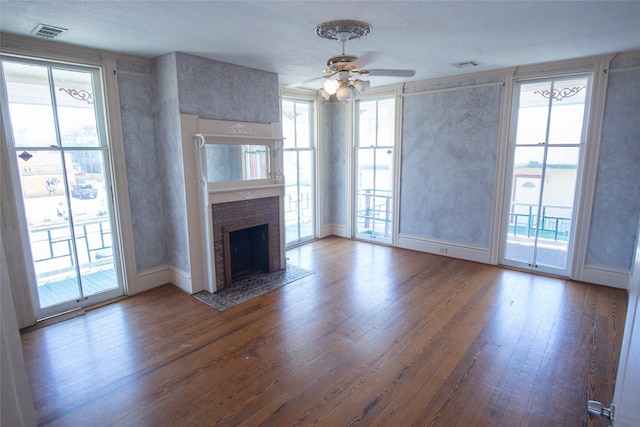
[[551, 227], [52, 247]]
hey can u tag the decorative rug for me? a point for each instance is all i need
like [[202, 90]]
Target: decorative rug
[[250, 286]]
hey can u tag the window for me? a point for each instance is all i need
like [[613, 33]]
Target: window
[[547, 140], [374, 168], [299, 169]]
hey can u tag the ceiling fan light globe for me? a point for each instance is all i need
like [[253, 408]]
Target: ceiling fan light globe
[[331, 86], [362, 85], [344, 93], [324, 94]]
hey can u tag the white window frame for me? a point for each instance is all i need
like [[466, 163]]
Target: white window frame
[[394, 91], [311, 95], [30, 48], [598, 66]]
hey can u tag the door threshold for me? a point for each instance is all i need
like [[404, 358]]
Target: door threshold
[[71, 314]]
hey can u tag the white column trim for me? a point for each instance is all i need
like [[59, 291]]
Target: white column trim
[[502, 154], [121, 187], [590, 164]]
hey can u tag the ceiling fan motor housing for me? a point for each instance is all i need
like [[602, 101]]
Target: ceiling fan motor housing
[[342, 63]]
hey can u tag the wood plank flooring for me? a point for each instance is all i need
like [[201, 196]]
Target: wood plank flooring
[[376, 336]]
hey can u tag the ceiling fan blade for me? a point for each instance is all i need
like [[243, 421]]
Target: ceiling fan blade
[[364, 59], [392, 73], [298, 84]]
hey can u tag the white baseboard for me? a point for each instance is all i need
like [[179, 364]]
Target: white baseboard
[[334, 230], [152, 278], [161, 275], [439, 247], [607, 276], [181, 279]]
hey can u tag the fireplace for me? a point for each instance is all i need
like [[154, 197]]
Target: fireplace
[[246, 236], [246, 251], [240, 186]]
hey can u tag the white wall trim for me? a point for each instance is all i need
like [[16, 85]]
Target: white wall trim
[[153, 277], [454, 88], [569, 66], [454, 250], [161, 275], [181, 279], [457, 78], [122, 208], [339, 230], [604, 275], [588, 170], [194, 221], [397, 166], [497, 241], [350, 137], [319, 177]]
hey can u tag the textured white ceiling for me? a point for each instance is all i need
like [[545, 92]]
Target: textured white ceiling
[[278, 36]]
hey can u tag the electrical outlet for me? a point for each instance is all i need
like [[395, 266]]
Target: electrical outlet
[[443, 250]]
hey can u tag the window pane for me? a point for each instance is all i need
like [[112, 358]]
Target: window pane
[[91, 220], [291, 196], [303, 125], [30, 102], [47, 214], [367, 134], [386, 120], [567, 111], [305, 194], [533, 114], [288, 124], [298, 131], [525, 197], [374, 191], [297, 124], [75, 104]]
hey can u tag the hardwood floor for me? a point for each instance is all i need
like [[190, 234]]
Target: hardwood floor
[[376, 336]]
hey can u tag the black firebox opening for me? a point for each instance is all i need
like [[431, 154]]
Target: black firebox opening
[[249, 250]]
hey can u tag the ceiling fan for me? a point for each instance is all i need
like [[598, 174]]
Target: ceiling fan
[[343, 71]]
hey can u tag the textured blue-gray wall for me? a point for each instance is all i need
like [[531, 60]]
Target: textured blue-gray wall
[[169, 140], [141, 157], [187, 84], [448, 164], [217, 90], [616, 209], [334, 165]]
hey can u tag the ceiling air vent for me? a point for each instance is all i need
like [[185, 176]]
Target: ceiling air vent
[[47, 31], [467, 64]]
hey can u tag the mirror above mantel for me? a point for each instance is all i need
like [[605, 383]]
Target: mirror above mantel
[[238, 156], [237, 162]]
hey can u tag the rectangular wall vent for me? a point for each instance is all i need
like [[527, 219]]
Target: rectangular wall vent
[[47, 31], [466, 64]]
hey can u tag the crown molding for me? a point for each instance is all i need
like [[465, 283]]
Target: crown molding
[[584, 64], [13, 44], [498, 73]]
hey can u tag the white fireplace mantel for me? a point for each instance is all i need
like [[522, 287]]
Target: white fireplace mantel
[[202, 195]]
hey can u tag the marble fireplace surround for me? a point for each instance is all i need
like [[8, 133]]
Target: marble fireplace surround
[[225, 207]]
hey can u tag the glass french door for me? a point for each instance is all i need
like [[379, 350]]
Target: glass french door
[[547, 140], [299, 170], [374, 169], [58, 149]]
